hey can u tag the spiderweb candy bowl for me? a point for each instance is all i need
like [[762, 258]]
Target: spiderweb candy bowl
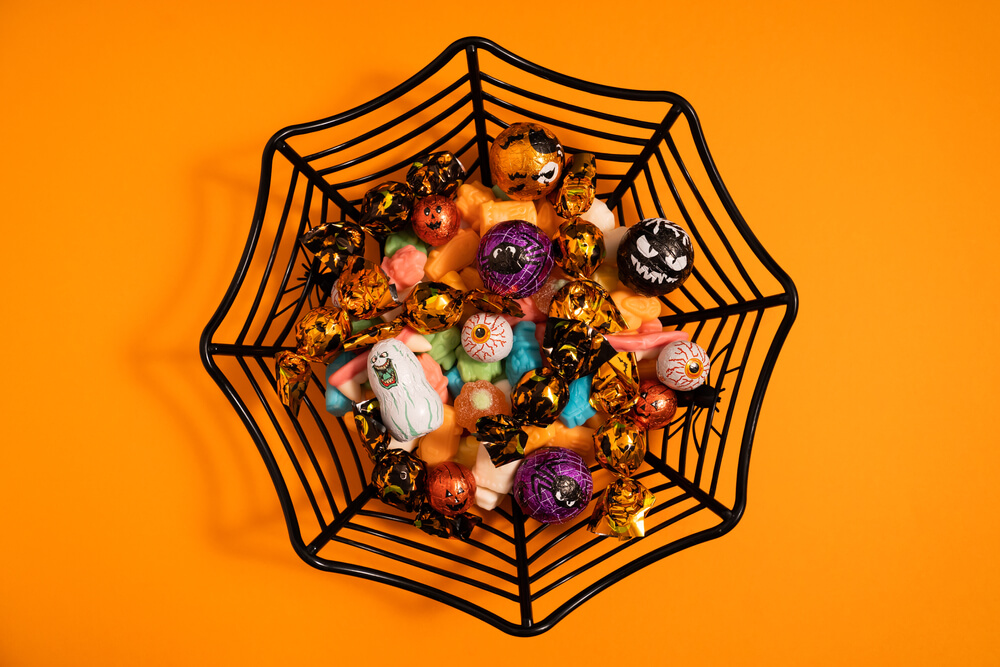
[[514, 573]]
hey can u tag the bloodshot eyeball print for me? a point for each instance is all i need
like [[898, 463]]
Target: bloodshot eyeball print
[[514, 259], [487, 337]]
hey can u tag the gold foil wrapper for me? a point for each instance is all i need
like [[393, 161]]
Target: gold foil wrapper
[[578, 248], [620, 446], [621, 509], [436, 174], [363, 289], [571, 347], [386, 208], [488, 302], [333, 244], [320, 333], [398, 478], [503, 438], [539, 397], [432, 307], [577, 190], [588, 302], [373, 434], [292, 372], [615, 386], [373, 334]]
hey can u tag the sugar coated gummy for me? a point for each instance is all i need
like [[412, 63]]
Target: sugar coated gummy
[[479, 399]]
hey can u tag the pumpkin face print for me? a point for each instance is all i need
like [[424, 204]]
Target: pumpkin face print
[[451, 488], [435, 219]]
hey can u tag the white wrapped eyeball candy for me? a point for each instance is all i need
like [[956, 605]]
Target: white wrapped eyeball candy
[[487, 337], [682, 365]]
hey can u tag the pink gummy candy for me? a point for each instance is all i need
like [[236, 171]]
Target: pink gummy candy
[[636, 342], [405, 268], [437, 380]]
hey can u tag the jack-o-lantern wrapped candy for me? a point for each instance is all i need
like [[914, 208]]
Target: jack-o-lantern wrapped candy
[[655, 257]]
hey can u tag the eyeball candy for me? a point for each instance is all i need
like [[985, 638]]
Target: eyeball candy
[[656, 405], [526, 161], [655, 257], [682, 365], [553, 485], [435, 219], [514, 259], [409, 405], [451, 488], [487, 337]]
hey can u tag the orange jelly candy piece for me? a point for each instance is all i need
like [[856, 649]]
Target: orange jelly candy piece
[[495, 212], [634, 308], [479, 399], [454, 255], [441, 444], [469, 199]]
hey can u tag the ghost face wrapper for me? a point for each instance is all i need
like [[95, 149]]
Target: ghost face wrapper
[[655, 257], [410, 407]]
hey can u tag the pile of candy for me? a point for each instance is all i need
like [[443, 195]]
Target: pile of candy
[[505, 352]]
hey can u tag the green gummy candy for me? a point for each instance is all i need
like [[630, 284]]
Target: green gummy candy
[[443, 346], [501, 195], [358, 325], [397, 240], [472, 370]]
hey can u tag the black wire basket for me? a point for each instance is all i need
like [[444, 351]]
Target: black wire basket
[[514, 573]]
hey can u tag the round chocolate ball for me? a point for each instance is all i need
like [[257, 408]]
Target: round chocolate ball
[[656, 405], [435, 219], [553, 485], [526, 161], [451, 488], [514, 259], [655, 257]]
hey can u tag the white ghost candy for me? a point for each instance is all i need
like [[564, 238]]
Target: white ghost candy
[[409, 405]]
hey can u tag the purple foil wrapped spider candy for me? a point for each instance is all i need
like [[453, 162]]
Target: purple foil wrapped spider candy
[[514, 259], [553, 485]]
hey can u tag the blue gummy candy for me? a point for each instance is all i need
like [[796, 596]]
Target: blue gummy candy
[[578, 408], [525, 355], [336, 403], [455, 381]]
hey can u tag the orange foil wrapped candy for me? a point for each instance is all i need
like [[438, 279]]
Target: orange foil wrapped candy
[[588, 302], [620, 446], [363, 289], [451, 488], [433, 307], [578, 248], [292, 371], [615, 386], [526, 161], [576, 192], [655, 407], [621, 509], [539, 397], [333, 244], [320, 333], [435, 219]]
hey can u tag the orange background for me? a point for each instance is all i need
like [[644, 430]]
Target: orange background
[[859, 140]]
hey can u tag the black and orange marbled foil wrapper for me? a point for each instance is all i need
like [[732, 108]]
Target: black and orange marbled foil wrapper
[[332, 244], [620, 445], [398, 478], [386, 208], [620, 511], [578, 248], [320, 333], [503, 438], [436, 174], [614, 389], [363, 289], [435, 523], [292, 371], [373, 434]]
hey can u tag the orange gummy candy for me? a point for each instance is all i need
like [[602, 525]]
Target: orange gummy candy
[[495, 212], [479, 399], [454, 255]]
